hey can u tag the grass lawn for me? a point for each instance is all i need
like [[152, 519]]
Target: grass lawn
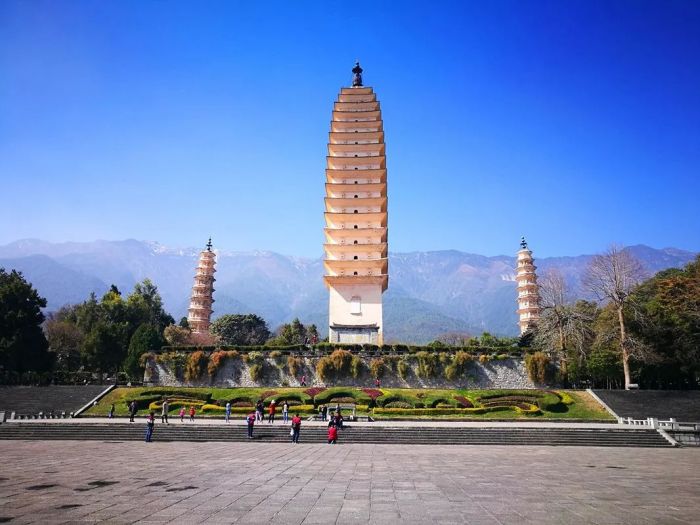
[[487, 404]]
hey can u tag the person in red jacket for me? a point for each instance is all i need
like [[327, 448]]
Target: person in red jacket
[[332, 435], [296, 428], [272, 409], [192, 412]]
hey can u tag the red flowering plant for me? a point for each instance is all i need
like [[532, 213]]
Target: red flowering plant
[[374, 393], [314, 391]]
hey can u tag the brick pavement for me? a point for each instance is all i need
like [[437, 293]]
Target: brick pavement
[[83, 482]]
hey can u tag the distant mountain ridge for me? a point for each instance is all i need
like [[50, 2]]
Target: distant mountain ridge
[[429, 292]]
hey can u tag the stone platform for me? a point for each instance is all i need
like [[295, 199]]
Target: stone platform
[[185, 483]]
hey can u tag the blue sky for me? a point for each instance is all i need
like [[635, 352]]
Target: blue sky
[[574, 123]]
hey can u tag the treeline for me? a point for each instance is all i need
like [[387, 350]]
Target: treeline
[[647, 331]]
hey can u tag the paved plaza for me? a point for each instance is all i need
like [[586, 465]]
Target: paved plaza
[[79, 482]]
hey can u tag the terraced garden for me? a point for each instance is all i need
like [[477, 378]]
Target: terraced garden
[[384, 403]]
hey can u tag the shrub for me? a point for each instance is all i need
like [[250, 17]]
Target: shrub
[[403, 368], [459, 365], [217, 359], [390, 398], [444, 358], [276, 355], [463, 402], [483, 359], [427, 364], [428, 411], [356, 366], [341, 360], [196, 364], [537, 365], [254, 358], [143, 360], [391, 361], [299, 398], [435, 401], [294, 365], [331, 393], [256, 372], [325, 369], [376, 368], [398, 404]]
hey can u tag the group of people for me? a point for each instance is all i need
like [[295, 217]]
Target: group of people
[[335, 423]]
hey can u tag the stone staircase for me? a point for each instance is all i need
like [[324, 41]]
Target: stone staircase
[[683, 405], [31, 400], [602, 437]]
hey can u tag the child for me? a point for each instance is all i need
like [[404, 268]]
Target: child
[[150, 423], [192, 413], [251, 421], [182, 414]]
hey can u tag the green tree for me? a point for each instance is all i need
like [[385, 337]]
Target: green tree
[[146, 306], [104, 346], [293, 333], [146, 338], [23, 346], [237, 329], [184, 323], [176, 335]]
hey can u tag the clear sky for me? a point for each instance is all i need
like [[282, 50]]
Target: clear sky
[[575, 123]]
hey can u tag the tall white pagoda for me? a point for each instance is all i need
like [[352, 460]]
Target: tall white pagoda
[[200, 310], [356, 264], [528, 291]]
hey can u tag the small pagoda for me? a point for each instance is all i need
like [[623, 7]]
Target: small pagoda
[[200, 310], [528, 291]]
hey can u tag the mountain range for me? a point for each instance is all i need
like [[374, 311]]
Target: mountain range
[[429, 293]]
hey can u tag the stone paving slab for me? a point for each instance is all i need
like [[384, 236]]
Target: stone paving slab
[[185, 483]]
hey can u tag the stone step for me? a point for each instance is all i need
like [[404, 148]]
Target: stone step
[[410, 435]]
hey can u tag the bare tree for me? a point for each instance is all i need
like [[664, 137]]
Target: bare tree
[[562, 326], [612, 276]]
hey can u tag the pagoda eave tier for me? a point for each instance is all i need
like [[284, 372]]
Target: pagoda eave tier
[[349, 265], [349, 202], [337, 188], [373, 176], [337, 218], [333, 234], [354, 248], [350, 137], [356, 280]]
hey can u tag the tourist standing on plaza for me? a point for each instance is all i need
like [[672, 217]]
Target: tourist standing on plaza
[[150, 423], [271, 409], [164, 411], [111, 411], [324, 412], [192, 412], [132, 411], [338, 420], [332, 434], [251, 422], [285, 411], [296, 428], [182, 414], [228, 410], [259, 410]]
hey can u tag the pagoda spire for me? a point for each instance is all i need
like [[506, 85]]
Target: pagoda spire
[[357, 75], [200, 310], [528, 290]]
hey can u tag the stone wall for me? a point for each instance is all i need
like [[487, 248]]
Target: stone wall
[[506, 373]]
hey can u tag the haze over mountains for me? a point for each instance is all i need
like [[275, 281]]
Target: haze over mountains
[[429, 292]]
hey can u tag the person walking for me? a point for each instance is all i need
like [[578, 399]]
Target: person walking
[[285, 412], [164, 412], [303, 380], [111, 411], [332, 434], [259, 407], [271, 409], [192, 412], [338, 420], [251, 422], [150, 423], [228, 410], [296, 428], [182, 414], [324, 413], [132, 411]]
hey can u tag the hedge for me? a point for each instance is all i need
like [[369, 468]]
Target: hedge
[[174, 391], [427, 411], [303, 398], [327, 395]]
